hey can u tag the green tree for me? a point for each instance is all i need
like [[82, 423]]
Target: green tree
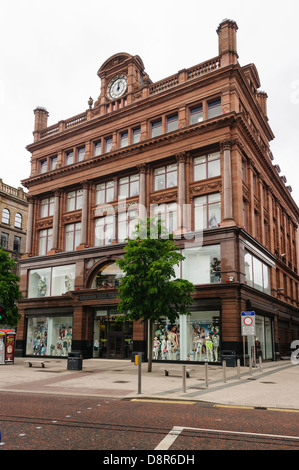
[[149, 290], [9, 288]]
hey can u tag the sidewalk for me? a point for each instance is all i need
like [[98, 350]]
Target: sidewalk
[[275, 385]]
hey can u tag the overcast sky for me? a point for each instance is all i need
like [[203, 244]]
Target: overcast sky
[[51, 51]]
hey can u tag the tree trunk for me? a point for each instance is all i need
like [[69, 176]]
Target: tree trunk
[[150, 342]]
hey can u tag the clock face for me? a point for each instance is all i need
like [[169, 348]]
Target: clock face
[[117, 87]]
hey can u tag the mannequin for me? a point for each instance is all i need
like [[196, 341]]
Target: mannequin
[[215, 347], [209, 349], [198, 349], [163, 347], [156, 348]]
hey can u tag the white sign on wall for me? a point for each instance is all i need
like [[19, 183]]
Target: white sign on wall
[[248, 323]]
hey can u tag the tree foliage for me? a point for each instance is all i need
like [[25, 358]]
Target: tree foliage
[[9, 288], [149, 290]]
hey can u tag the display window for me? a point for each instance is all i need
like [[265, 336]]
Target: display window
[[51, 281], [109, 275], [49, 336], [191, 338], [263, 341]]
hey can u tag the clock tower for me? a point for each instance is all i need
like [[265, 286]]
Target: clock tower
[[123, 81]]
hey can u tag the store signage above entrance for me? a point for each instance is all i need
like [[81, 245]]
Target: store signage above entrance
[[248, 323]]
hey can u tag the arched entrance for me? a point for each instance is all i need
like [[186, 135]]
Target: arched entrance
[[113, 337]]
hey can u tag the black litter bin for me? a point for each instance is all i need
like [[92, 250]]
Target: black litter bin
[[230, 357], [74, 360]]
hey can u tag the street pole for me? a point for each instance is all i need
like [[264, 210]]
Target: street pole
[[139, 372], [184, 378]]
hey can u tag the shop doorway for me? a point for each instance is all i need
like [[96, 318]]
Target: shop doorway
[[113, 338]]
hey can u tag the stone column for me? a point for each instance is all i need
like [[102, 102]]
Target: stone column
[[142, 191], [181, 161], [29, 226], [84, 218], [56, 220], [227, 182]]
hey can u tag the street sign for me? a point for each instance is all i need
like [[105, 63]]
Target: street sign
[[248, 323]]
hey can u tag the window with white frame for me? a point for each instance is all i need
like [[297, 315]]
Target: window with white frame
[[257, 273], [156, 128], [172, 123], [207, 211], [5, 216], [108, 144], [214, 108], [127, 222], [97, 148], [165, 177], [47, 207], [104, 192], [136, 135], [167, 213], [45, 241], [69, 157], [128, 186], [74, 200], [196, 114], [104, 230], [124, 139], [72, 236], [206, 166], [18, 220]]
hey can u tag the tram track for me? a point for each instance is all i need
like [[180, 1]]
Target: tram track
[[200, 434]]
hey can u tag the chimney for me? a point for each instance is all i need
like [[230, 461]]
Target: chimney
[[227, 42], [262, 99], [41, 118]]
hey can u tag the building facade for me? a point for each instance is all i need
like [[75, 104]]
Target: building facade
[[193, 148], [13, 210]]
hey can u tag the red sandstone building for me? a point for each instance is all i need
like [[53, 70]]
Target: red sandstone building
[[193, 147]]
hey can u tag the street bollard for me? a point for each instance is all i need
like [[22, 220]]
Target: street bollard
[[224, 371], [250, 365], [238, 368], [206, 374], [184, 378], [138, 362], [260, 363]]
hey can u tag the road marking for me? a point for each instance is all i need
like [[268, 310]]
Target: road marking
[[283, 409], [169, 439], [240, 433], [235, 406], [148, 400], [256, 408]]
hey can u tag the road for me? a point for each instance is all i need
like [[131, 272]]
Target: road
[[54, 422]]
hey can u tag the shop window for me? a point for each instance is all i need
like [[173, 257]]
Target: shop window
[[104, 230], [49, 336], [207, 166], [165, 177], [128, 186], [127, 222], [207, 211], [108, 276], [214, 108], [257, 273], [190, 338], [72, 236], [105, 192], [202, 265], [45, 241], [196, 114], [74, 200], [53, 281], [113, 339]]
